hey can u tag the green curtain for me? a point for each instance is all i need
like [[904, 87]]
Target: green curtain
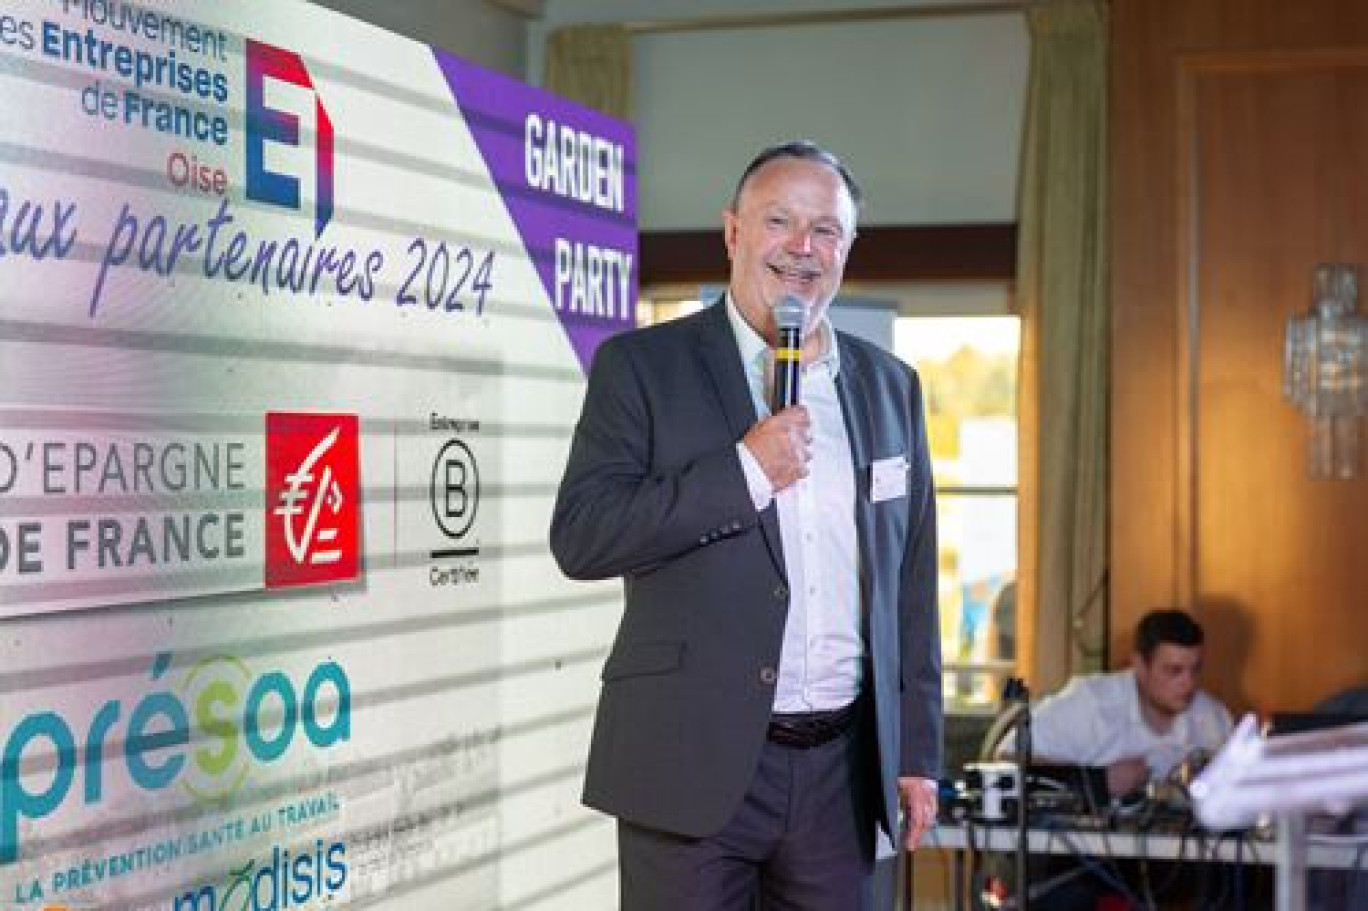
[[592, 64], [1062, 292]]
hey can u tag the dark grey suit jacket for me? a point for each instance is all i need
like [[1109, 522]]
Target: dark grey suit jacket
[[654, 492]]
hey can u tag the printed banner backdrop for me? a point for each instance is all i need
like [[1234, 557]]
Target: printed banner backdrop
[[294, 321]]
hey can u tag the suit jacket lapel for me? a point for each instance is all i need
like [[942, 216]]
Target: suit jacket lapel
[[722, 361], [722, 364], [850, 386]]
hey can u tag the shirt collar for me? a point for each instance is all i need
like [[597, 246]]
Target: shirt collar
[[1133, 698], [754, 350]]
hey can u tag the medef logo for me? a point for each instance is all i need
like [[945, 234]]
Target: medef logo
[[312, 494], [273, 130]]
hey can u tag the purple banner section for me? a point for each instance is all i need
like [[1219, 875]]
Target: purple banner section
[[568, 177]]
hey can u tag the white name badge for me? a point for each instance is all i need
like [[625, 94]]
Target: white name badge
[[888, 479]]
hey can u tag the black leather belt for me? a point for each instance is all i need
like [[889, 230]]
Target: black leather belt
[[805, 730]]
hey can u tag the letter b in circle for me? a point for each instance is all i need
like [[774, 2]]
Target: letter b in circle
[[455, 489]]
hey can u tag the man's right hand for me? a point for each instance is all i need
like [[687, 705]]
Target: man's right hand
[[1126, 776], [782, 444]]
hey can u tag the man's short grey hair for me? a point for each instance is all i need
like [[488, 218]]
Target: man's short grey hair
[[802, 150]]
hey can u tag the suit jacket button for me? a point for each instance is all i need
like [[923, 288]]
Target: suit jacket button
[[781, 591], [768, 675], [703, 539]]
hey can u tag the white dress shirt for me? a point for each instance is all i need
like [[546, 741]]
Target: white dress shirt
[[822, 661], [1096, 720]]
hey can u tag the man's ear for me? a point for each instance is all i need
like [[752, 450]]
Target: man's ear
[[730, 226], [1138, 663]]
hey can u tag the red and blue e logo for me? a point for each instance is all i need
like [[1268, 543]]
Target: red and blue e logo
[[278, 127]]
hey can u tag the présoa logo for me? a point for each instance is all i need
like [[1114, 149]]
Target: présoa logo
[[276, 121], [241, 720], [281, 881], [312, 498]]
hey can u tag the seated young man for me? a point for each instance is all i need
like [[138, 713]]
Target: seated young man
[[1139, 724]]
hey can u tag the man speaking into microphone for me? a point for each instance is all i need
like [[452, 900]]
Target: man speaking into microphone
[[761, 483]]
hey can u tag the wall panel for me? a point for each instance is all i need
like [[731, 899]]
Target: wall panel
[[1239, 132]]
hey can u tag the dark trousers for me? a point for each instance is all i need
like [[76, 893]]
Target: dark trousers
[[801, 840]]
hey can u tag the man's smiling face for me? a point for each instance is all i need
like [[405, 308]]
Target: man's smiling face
[[789, 234]]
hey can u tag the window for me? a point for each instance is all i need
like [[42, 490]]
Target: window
[[968, 367]]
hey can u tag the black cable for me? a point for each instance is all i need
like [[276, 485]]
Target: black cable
[[1210, 871], [1109, 875], [1176, 869], [1351, 882], [1142, 864], [1023, 762], [1209, 868], [1107, 821], [1104, 837], [1016, 691], [1203, 872], [1222, 871], [1239, 872], [974, 862]]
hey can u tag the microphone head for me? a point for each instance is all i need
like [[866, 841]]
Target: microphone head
[[790, 313]]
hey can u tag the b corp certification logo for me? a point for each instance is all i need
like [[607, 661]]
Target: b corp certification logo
[[455, 494], [454, 498]]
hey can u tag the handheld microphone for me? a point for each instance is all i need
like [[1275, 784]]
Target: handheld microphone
[[788, 367]]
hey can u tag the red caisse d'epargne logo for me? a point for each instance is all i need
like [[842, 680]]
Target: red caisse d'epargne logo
[[312, 498]]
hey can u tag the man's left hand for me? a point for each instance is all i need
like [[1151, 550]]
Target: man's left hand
[[918, 799]]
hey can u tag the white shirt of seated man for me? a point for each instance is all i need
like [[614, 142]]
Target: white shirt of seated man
[[1140, 723]]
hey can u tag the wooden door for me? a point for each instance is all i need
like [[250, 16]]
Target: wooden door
[[1241, 138]]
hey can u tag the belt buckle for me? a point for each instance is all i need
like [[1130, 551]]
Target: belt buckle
[[806, 733], [793, 734]]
